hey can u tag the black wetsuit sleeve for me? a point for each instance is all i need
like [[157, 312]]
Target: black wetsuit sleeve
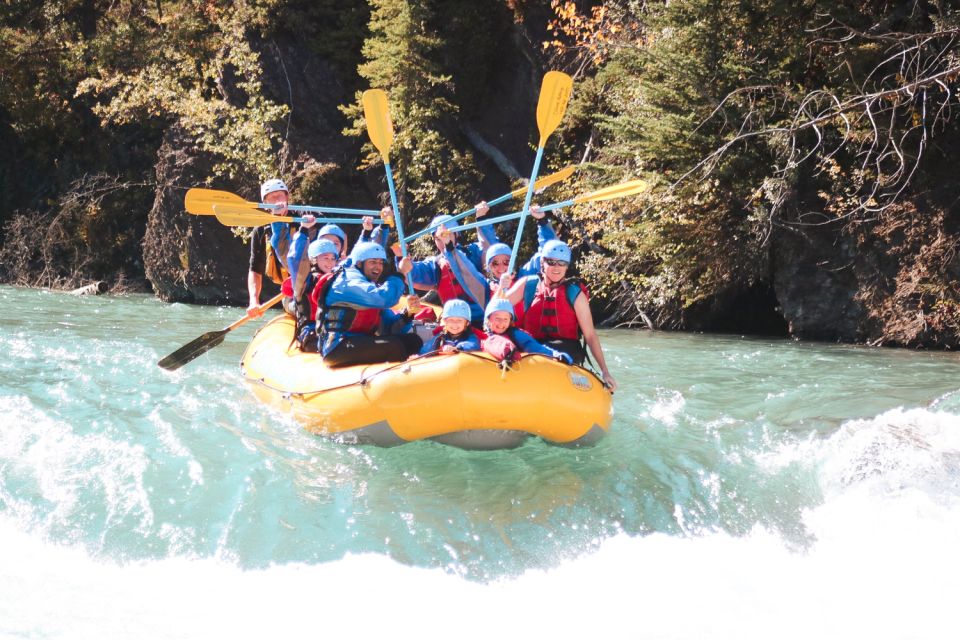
[[258, 250]]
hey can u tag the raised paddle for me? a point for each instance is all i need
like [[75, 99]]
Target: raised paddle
[[208, 341], [540, 185], [554, 95], [234, 216], [376, 112], [201, 202], [622, 190]]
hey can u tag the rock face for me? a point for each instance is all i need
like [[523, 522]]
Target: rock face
[[815, 280], [195, 259], [889, 281], [190, 258]]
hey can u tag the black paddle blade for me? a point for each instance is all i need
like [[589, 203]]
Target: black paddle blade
[[193, 350]]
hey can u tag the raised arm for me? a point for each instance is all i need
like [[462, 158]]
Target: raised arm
[[470, 278]]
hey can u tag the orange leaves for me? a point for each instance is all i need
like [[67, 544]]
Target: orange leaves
[[590, 35]]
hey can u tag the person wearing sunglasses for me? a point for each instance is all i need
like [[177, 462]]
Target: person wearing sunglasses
[[555, 308], [482, 287]]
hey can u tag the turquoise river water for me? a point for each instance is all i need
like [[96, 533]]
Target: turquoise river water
[[749, 488]]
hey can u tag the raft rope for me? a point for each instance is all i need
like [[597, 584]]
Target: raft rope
[[364, 381]]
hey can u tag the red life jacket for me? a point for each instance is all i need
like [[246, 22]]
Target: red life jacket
[[547, 315], [315, 297], [449, 287], [287, 287], [344, 319], [365, 321]]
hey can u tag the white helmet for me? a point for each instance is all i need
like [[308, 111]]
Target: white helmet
[[274, 184]]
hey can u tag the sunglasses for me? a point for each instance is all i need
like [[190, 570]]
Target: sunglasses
[[499, 263], [550, 262]]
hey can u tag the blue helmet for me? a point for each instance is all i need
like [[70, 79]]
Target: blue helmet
[[321, 246], [498, 249], [274, 184], [498, 304], [555, 250], [441, 219], [367, 251], [457, 308], [333, 230]]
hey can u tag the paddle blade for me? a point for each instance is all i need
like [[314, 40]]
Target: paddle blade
[[200, 201], [546, 181], [622, 190], [234, 216], [376, 112], [554, 94], [193, 350]]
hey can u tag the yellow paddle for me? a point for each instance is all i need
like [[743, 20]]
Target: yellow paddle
[[554, 95], [201, 202], [239, 216], [376, 112]]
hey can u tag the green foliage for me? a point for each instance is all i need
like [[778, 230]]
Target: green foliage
[[194, 65], [432, 173], [692, 94]]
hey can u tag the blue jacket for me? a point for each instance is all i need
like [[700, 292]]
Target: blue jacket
[[526, 343], [379, 234], [475, 282], [466, 341], [352, 290], [298, 260], [426, 275]]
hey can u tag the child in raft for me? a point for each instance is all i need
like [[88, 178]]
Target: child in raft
[[323, 255], [505, 342], [455, 332]]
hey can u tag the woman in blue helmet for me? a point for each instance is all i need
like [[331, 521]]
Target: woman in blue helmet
[[505, 341], [556, 309], [354, 320], [323, 255], [455, 332]]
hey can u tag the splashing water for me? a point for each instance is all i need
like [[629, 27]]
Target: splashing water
[[748, 488]]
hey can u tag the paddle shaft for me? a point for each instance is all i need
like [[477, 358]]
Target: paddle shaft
[[398, 219], [544, 182], [200, 201], [526, 208], [509, 216], [259, 222], [312, 209], [459, 216]]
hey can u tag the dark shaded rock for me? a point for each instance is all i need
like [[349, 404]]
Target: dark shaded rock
[[190, 258], [751, 311], [816, 276]]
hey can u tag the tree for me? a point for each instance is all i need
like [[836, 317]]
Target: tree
[[402, 57]]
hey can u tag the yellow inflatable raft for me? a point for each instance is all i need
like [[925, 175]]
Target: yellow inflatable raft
[[464, 399]]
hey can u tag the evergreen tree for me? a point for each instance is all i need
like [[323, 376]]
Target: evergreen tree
[[402, 58]]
